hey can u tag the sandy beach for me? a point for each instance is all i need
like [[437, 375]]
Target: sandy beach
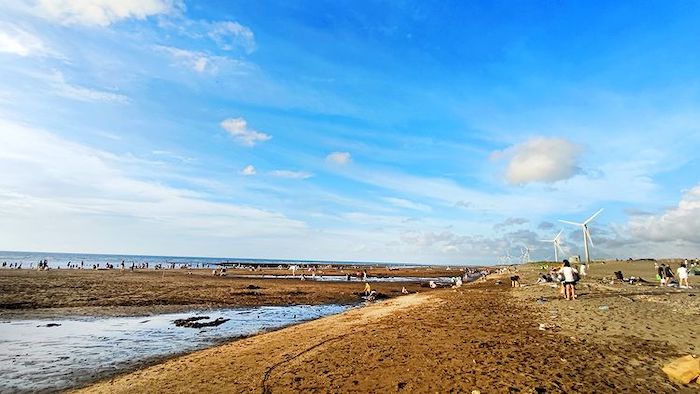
[[485, 336]]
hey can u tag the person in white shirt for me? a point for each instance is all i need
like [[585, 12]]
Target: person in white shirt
[[683, 276], [570, 276]]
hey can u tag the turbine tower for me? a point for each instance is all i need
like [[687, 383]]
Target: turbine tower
[[586, 233], [556, 241], [525, 254]]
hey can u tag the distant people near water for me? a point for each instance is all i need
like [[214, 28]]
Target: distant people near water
[[368, 289], [403, 290], [515, 281], [683, 276], [569, 276]]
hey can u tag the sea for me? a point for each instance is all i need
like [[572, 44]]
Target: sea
[[29, 260]]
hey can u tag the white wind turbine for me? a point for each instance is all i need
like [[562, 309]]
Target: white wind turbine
[[586, 233], [524, 254], [556, 241]]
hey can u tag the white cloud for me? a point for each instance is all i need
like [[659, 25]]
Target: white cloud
[[248, 170], [402, 203], [230, 35], [339, 157], [172, 155], [291, 174], [19, 42], [63, 88], [203, 62], [541, 160], [238, 129], [680, 223], [198, 61], [102, 12]]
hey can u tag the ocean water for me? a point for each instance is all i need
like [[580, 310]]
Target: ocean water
[[36, 357], [56, 260]]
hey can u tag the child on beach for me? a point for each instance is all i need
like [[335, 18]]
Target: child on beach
[[569, 275]]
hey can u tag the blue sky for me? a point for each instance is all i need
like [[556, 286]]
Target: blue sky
[[450, 133]]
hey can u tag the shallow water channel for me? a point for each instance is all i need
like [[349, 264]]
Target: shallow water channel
[[343, 278], [36, 357]]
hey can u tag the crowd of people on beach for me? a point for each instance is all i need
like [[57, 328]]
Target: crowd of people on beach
[[43, 265], [566, 276], [666, 277]]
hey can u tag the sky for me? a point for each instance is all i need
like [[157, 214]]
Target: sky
[[403, 131]]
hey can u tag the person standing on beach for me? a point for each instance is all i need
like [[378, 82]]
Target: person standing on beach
[[683, 276], [668, 273], [569, 273], [368, 289]]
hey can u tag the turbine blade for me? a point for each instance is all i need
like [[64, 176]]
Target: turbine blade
[[558, 235], [590, 219], [589, 236], [560, 249]]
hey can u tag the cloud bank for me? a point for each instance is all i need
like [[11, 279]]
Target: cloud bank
[[678, 223]]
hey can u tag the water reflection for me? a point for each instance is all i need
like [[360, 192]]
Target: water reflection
[[37, 357]]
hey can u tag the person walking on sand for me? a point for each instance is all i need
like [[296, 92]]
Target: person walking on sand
[[368, 289], [683, 276], [668, 274], [569, 273]]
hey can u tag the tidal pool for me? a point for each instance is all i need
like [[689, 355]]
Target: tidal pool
[[51, 355]]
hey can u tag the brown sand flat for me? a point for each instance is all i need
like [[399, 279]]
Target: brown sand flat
[[480, 337], [28, 293], [610, 312]]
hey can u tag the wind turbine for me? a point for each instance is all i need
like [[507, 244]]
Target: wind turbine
[[586, 233], [524, 254], [556, 241]]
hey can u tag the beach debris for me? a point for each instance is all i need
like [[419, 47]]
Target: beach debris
[[253, 287], [49, 325], [684, 369], [195, 322], [603, 308], [476, 392]]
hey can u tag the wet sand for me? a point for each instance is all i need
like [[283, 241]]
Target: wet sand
[[56, 293], [483, 336]]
